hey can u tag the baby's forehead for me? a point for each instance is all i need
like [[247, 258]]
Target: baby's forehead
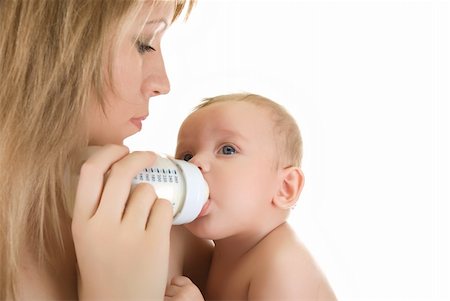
[[235, 116], [256, 125], [238, 115], [232, 110]]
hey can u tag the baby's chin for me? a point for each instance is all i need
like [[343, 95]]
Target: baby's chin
[[201, 229]]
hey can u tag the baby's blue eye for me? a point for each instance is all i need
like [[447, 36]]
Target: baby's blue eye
[[187, 157], [228, 150]]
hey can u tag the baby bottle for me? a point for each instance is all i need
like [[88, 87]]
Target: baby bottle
[[181, 183]]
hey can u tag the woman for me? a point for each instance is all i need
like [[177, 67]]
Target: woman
[[79, 73]]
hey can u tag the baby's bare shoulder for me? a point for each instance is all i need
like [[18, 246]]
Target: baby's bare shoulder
[[282, 250], [287, 270]]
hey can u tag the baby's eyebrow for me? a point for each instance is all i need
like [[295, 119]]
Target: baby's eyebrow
[[231, 134], [179, 147]]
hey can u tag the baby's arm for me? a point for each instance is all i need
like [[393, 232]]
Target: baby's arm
[[182, 289]]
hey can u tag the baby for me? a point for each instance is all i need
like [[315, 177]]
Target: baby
[[249, 150]]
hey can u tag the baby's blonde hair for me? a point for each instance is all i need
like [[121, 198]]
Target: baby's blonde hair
[[288, 140], [53, 55]]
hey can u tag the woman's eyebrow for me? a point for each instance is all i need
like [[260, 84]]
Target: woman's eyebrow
[[160, 21]]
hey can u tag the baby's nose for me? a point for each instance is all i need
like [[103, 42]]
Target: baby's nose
[[201, 162]]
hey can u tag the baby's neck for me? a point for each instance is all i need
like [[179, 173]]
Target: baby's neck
[[231, 249], [233, 259]]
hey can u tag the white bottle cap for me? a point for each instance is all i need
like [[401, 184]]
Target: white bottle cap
[[197, 192]]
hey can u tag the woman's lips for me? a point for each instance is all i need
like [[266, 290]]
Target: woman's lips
[[138, 121]]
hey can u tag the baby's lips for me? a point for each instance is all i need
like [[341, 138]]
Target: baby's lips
[[204, 209]]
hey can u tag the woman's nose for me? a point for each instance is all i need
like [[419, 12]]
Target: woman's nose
[[155, 80]]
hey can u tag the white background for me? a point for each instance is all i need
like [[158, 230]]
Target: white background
[[368, 83]]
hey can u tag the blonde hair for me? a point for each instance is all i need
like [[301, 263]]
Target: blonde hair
[[52, 57], [288, 140]]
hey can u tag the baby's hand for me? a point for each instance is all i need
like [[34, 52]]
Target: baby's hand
[[182, 289]]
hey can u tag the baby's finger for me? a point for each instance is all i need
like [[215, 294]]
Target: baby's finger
[[138, 206], [172, 291], [180, 281], [117, 187], [90, 183], [182, 288]]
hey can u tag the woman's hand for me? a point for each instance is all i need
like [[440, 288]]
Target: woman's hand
[[182, 289], [121, 238]]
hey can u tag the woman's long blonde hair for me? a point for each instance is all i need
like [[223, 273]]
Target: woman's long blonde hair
[[52, 54]]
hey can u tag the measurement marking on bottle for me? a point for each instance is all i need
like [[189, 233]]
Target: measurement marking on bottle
[[157, 175]]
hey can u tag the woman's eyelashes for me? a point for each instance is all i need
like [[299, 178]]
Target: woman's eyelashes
[[143, 48]]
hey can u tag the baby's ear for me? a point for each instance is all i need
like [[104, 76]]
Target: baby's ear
[[291, 185]]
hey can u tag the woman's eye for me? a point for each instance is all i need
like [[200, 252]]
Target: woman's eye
[[228, 150], [187, 157], [144, 48]]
